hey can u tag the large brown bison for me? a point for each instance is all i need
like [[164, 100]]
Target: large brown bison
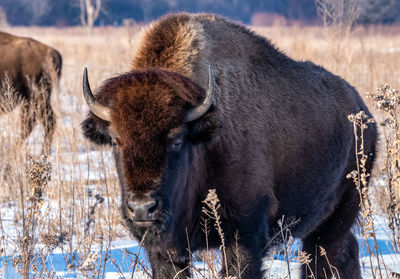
[[29, 66], [270, 134]]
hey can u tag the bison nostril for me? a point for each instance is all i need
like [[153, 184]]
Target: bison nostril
[[152, 207], [130, 206]]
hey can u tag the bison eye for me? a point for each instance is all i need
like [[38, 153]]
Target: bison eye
[[177, 144], [114, 141]]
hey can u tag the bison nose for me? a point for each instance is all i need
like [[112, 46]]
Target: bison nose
[[144, 210]]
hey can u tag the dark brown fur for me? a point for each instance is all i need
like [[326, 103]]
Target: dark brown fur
[[24, 61], [275, 143]]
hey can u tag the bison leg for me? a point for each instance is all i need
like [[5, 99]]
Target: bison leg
[[47, 119], [244, 252], [28, 119], [341, 259], [243, 262], [335, 237], [167, 266]]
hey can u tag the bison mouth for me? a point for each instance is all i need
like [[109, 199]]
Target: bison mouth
[[152, 231], [143, 223], [156, 225]]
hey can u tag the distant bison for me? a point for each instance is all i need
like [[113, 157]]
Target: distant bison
[[270, 134], [29, 65]]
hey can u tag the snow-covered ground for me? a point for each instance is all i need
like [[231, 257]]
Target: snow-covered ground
[[121, 253], [121, 257]]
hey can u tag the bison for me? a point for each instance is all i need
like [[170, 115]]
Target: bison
[[269, 134], [29, 66]]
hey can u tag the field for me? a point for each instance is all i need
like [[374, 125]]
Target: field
[[70, 226]]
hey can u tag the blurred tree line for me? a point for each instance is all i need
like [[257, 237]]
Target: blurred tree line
[[69, 12]]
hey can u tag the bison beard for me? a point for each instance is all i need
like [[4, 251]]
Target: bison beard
[[271, 135]]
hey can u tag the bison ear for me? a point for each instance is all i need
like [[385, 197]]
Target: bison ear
[[96, 129], [204, 128]]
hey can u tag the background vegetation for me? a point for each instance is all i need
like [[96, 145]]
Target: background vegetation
[[113, 12]]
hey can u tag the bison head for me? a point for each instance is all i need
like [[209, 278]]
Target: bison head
[[155, 123]]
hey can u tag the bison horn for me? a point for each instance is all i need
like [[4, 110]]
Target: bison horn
[[200, 110], [98, 109]]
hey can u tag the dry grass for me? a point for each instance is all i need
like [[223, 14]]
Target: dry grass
[[77, 211]]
